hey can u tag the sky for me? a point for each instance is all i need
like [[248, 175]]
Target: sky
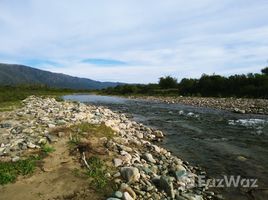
[[135, 41]]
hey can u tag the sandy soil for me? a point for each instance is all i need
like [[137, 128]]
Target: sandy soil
[[56, 180]]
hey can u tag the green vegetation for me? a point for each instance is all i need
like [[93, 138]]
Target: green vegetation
[[97, 130], [47, 149], [168, 82], [17, 93], [265, 71], [97, 171], [250, 85], [10, 96], [10, 170]]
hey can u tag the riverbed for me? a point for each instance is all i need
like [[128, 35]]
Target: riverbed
[[221, 142]]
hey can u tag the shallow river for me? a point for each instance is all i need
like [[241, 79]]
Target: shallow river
[[221, 142]]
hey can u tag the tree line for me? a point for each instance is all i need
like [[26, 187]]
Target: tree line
[[250, 85]]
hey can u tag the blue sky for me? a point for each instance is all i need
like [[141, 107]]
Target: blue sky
[[135, 41]]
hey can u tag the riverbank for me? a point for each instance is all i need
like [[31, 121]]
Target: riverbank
[[122, 152], [238, 105]]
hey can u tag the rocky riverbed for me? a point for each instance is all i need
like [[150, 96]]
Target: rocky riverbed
[[238, 105], [144, 170]]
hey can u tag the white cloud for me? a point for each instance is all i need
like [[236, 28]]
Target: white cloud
[[156, 37]]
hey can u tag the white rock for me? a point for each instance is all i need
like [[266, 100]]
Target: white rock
[[148, 157], [117, 162], [139, 135], [126, 196]]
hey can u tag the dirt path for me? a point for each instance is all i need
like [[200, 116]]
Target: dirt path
[[56, 180]]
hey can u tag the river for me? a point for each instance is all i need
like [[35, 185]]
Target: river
[[220, 142]]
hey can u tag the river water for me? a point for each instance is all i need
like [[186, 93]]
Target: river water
[[220, 142]]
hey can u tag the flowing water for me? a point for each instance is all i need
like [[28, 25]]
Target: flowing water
[[221, 142]]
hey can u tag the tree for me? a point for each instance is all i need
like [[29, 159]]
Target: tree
[[168, 82], [265, 71]]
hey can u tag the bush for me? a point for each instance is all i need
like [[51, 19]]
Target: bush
[[168, 82]]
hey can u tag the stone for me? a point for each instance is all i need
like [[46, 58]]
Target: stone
[[166, 184], [148, 157], [237, 110], [117, 162], [42, 141], [15, 159], [118, 194], [181, 112], [126, 196], [179, 171], [51, 138], [51, 125], [159, 134], [31, 145], [126, 188], [139, 135], [125, 156], [190, 114], [156, 148], [242, 158], [5, 125], [120, 140], [130, 174], [112, 198]]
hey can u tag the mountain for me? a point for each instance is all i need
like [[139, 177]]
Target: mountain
[[11, 74]]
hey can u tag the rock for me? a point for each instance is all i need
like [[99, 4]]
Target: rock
[[190, 114], [166, 184], [179, 171], [126, 188], [126, 196], [51, 138], [130, 174], [125, 148], [118, 194], [42, 141], [242, 158], [148, 157], [31, 145], [159, 134], [51, 125], [125, 156], [112, 198], [117, 162], [139, 135], [15, 159], [237, 110], [120, 140], [156, 148], [5, 125]]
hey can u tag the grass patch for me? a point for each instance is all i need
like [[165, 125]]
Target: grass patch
[[97, 130], [97, 171], [9, 171], [47, 149], [74, 140], [8, 106]]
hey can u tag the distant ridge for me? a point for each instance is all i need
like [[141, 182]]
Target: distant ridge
[[13, 74]]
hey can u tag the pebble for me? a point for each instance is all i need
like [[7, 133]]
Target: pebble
[[126, 196], [117, 162], [148, 157]]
